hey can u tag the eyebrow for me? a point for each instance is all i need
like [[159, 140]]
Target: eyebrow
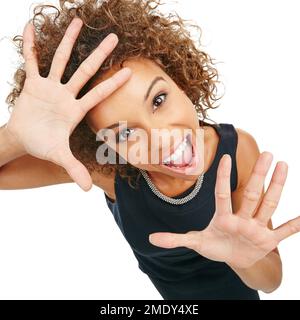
[[154, 81]]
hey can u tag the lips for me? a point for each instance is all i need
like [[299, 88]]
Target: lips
[[184, 150], [192, 167]]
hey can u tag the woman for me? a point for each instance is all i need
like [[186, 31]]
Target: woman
[[202, 201]]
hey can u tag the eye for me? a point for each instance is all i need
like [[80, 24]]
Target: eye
[[120, 138], [157, 101]]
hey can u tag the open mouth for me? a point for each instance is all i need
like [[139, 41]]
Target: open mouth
[[183, 157]]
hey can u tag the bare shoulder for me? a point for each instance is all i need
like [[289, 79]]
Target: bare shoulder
[[247, 153], [105, 182]]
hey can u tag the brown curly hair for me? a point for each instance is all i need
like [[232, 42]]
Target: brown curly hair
[[144, 32]]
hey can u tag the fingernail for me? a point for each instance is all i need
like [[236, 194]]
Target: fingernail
[[127, 70], [284, 165], [268, 155], [112, 37], [77, 21]]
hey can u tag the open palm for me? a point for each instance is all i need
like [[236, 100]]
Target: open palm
[[47, 111], [241, 238]]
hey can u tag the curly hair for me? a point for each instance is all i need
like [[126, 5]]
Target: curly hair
[[143, 31]]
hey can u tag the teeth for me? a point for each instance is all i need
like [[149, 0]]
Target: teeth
[[177, 152]]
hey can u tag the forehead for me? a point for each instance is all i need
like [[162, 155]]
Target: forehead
[[140, 66], [131, 92]]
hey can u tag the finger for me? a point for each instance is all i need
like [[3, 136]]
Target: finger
[[287, 229], [271, 198], [91, 64], [222, 188], [104, 89], [191, 239], [253, 190], [76, 170], [31, 63], [63, 51]]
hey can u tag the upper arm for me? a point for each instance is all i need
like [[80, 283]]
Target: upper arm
[[247, 154], [31, 172]]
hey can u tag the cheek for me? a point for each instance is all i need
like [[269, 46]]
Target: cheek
[[183, 110], [134, 152]]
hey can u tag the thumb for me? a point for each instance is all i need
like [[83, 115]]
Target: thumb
[[79, 173], [76, 170], [170, 240]]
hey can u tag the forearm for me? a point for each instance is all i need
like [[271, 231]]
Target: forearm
[[9, 149], [265, 274]]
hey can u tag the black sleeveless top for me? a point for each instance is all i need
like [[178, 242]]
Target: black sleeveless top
[[179, 273]]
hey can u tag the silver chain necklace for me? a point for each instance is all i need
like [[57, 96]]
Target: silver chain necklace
[[183, 200]]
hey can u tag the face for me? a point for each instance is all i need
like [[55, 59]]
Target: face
[[151, 121]]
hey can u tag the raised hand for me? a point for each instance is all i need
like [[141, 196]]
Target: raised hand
[[240, 239], [47, 111]]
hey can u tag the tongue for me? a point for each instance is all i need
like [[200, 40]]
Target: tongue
[[186, 155]]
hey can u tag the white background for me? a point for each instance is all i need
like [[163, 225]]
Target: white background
[[59, 242]]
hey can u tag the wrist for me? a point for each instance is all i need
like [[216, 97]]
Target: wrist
[[265, 274], [12, 140], [10, 148]]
